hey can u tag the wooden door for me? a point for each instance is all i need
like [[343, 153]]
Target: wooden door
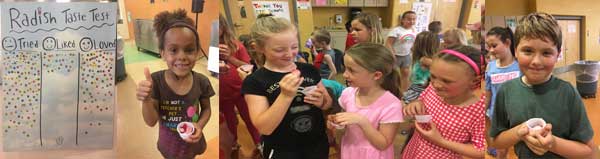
[[242, 15], [570, 50]]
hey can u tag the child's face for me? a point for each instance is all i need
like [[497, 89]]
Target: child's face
[[536, 59], [360, 33], [409, 20], [497, 47], [180, 50], [358, 76], [451, 79], [317, 44], [281, 49]]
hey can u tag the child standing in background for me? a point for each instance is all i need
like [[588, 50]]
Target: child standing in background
[[500, 44], [399, 41], [372, 108], [457, 122], [324, 59], [291, 123], [454, 36], [426, 45], [234, 54], [538, 94], [174, 95], [366, 27]]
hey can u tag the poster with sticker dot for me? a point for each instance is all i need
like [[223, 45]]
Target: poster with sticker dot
[[58, 76]]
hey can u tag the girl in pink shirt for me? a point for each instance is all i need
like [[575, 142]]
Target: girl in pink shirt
[[372, 107]]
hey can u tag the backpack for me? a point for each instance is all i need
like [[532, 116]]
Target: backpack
[[339, 60]]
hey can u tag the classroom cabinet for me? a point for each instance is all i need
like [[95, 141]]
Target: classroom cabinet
[[382, 3], [356, 3], [338, 39], [350, 3]]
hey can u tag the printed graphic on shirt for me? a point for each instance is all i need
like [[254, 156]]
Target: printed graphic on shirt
[[302, 123], [503, 77], [176, 111], [407, 38]]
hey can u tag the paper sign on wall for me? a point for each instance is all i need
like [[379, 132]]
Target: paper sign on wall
[[423, 11], [277, 8], [403, 1], [58, 77], [303, 4]]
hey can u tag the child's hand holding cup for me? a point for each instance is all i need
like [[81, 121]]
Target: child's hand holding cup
[[331, 120], [536, 126]]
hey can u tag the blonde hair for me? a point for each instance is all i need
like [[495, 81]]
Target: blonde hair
[[539, 26], [457, 35], [372, 23], [376, 57], [266, 27], [228, 37]]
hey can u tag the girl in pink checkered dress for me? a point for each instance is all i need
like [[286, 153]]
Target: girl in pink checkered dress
[[457, 123]]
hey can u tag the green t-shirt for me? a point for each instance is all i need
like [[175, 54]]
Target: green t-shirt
[[555, 101]]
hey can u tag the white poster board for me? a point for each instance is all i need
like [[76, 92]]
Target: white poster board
[[59, 77], [423, 10], [277, 8]]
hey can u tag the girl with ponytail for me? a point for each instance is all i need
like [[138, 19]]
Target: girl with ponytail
[[372, 107], [505, 67]]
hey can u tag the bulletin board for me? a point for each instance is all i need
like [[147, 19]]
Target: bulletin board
[[59, 77]]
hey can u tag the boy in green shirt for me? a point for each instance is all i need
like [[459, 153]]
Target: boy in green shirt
[[538, 94]]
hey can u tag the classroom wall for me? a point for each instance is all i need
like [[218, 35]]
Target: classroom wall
[[591, 13], [305, 26], [145, 10], [442, 10], [509, 7], [323, 15], [591, 38]]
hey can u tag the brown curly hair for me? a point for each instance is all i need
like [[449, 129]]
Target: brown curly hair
[[166, 20]]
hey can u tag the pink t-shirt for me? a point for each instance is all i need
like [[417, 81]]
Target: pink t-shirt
[[386, 109], [458, 124]]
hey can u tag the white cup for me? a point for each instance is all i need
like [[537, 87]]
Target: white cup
[[423, 118], [309, 89], [247, 67], [185, 129], [337, 126], [535, 124]]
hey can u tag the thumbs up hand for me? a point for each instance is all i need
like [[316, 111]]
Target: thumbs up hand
[[145, 87]]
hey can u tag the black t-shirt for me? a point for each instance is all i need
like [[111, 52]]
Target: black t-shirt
[[303, 123]]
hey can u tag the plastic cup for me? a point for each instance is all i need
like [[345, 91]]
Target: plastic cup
[[535, 124], [423, 118], [247, 68], [185, 129], [309, 89], [337, 126]]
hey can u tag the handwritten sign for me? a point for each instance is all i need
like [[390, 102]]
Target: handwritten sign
[[277, 8], [58, 77], [423, 10]]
